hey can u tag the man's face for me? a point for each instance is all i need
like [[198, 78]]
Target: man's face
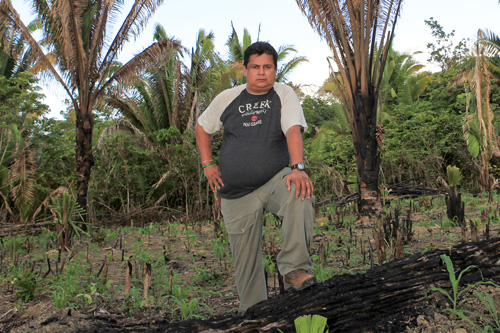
[[260, 72]]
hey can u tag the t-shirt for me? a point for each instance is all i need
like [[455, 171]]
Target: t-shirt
[[254, 146]]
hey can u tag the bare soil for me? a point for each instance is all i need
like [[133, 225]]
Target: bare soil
[[191, 262]]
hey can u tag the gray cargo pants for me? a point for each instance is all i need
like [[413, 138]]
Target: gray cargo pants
[[243, 218]]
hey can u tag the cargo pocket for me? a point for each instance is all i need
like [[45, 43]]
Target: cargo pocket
[[238, 219]]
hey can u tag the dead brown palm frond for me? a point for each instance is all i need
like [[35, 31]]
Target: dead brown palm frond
[[124, 126], [22, 180], [478, 80], [483, 75], [57, 192], [354, 37]]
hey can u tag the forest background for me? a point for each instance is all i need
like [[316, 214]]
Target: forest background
[[145, 155]]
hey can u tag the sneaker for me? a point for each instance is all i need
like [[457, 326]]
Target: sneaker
[[299, 279]]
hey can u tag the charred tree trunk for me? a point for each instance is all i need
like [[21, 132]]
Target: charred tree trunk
[[363, 132], [455, 209], [84, 156], [376, 301]]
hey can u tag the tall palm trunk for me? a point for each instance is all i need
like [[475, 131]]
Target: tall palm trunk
[[359, 33], [84, 156], [363, 133]]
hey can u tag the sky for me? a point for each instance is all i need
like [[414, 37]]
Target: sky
[[282, 23]]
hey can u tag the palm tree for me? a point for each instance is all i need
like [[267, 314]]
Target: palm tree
[[402, 81], [152, 101], [237, 51], [285, 69], [163, 106], [208, 75], [76, 32], [172, 94], [359, 34]]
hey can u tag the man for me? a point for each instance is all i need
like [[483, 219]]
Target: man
[[263, 123]]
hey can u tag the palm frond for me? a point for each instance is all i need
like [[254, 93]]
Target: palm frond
[[284, 51], [124, 126], [159, 33], [236, 49], [10, 17], [141, 61], [128, 107], [285, 70], [354, 30], [133, 24], [22, 179], [46, 202]]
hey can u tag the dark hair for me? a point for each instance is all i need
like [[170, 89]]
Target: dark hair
[[260, 48]]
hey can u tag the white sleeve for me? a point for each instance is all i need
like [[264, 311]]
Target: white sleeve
[[210, 118], [291, 110]]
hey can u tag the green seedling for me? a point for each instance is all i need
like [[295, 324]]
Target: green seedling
[[13, 245], [322, 273], [26, 286], [88, 297], [456, 294], [491, 323], [455, 281], [191, 309]]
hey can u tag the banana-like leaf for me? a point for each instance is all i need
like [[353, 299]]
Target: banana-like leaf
[[311, 324], [473, 145], [454, 175]]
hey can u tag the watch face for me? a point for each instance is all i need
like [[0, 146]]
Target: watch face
[[298, 166]]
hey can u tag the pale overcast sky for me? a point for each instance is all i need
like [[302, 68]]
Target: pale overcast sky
[[281, 22]]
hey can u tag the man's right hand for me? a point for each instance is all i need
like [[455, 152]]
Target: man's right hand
[[213, 176]]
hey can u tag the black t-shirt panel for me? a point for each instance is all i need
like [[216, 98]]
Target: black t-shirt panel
[[254, 147]]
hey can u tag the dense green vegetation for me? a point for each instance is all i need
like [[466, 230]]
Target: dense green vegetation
[[145, 153]]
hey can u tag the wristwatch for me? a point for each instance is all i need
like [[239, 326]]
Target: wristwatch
[[298, 166]]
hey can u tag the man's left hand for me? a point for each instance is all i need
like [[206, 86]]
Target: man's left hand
[[303, 184]]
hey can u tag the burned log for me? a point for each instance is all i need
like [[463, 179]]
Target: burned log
[[7, 230], [401, 190], [361, 302]]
